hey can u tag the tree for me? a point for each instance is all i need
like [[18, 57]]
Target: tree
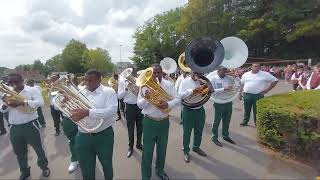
[[37, 65], [98, 59], [54, 64], [72, 57], [158, 39]]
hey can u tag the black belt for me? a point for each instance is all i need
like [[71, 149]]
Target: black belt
[[97, 133], [25, 123]]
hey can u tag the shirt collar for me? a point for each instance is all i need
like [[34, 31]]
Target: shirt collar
[[98, 90]]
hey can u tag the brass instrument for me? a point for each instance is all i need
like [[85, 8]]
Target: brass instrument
[[69, 98], [168, 66], [131, 80], [113, 84], [11, 95], [157, 94], [182, 63]]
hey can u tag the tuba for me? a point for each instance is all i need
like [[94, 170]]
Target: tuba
[[68, 98], [202, 55], [11, 95], [157, 94], [182, 63], [131, 80], [236, 54]]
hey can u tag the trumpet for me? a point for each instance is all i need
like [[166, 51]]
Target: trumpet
[[157, 94]]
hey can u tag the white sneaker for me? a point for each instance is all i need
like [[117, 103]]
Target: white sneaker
[[73, 166]]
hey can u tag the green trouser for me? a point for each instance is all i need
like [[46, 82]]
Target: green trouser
[[22, 135], [40, 116], [2, 128], [90, 145], [192, 119], [250, 101], [70, 129], [154, 132], [134, 117], [221, 112], [56, 117]]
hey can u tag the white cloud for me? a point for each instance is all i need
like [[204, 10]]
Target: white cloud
[[39, 29]]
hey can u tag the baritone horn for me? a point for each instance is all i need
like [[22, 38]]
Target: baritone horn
[[69, 98], [130, 81], [156, 93]]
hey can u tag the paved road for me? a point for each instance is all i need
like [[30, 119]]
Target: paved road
[[246, 160]]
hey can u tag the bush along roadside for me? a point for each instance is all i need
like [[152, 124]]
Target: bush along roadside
[[290, 123]]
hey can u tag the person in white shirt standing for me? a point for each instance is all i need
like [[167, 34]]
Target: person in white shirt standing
[[56, 114], [132, 112], [192, 118], [178, 82], [223, 111], [254, 85], [24, 126], [30, 82], [156, 126], [99, 142]]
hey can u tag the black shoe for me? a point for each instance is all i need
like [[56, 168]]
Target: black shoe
[[229, 140], [45, 172], [139, 146], [218, 143], [57, 133], [180, 122], [25, 175], [243, 124], [186, 158], [118, 118], [3, 132], [163, 176], [200, 152], [129, 153]]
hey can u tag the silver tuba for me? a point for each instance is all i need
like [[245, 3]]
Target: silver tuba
[[236, 54], [68, 98], [130, 80]]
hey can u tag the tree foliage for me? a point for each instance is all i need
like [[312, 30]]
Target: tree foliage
[[72, 57], [98, 59], [271, 28]]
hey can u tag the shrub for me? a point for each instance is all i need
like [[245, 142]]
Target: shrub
[[290, 123]]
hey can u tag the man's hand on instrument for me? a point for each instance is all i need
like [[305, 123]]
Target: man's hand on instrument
[[15, 103], [78, 114], [163, 105], [4, 107], [147, 94], [228, 88]]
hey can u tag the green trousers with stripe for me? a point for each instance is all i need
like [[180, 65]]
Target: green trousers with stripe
[[89, 146], [70, 129], [250, 102], [221, 112], [22, 135], [134, 118], [192, 119], [154, 133]]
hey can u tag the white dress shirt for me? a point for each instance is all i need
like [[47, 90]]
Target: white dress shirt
[[308, 85], [128, 96], [186, 88], [105, 102], [33, 100], [256, 83], [152, 111], [219, 83], [178, 82]]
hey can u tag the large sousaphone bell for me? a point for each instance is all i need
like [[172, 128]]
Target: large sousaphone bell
[[202, 55]]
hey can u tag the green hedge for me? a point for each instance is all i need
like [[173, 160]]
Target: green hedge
[[290, 123]]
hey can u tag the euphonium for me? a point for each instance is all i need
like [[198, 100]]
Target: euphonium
[[131, 80], [11, 95], [157, 94], [70, 98]]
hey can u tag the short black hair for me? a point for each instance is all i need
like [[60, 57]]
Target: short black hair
[[56, 74], [156, 65], [94, 72], [16, 75]]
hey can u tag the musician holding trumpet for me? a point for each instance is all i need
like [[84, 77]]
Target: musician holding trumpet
[[156, 118], [22, 102]]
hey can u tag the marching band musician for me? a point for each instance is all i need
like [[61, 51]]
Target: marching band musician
[[99, 142], [223, 111], [314, 80], [254, 84], [30, 82], [132, 113], [156, 126], [24, 126], [56, 114], [192, 118], [115, 87]]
